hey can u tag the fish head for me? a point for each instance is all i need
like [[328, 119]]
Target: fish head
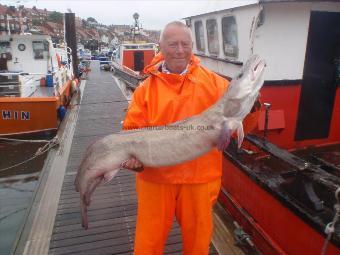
[[250, 78], [255, 68]]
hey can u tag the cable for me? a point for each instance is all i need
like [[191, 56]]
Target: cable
[[22, 140], [54, 142]]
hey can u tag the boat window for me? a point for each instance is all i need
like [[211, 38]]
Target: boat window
[[146, 46], [128, 47], [212, 36], [5, 50], [229, 33], [21, 47], [40, 49], [199, 34]]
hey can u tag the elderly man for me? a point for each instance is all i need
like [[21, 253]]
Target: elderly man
[[178, 87]]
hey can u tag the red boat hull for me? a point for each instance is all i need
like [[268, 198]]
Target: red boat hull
[[273, 227]]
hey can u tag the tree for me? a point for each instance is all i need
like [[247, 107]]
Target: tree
[[36, 22], [90, 19], [84, 23], [55, 17]]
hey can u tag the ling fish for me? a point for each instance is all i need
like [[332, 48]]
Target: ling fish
[[175, 143]]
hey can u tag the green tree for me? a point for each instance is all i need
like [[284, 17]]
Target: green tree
[[84, 23], [36, 22], [55, 17], [90, 19]]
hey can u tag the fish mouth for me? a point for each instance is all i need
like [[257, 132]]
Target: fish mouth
[[259, 65]]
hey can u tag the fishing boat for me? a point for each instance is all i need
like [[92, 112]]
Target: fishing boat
[[130, 57], [36, 83], [283, 186], [130, 60]]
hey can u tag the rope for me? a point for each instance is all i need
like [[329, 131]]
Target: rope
[[10, 214], [52, 143], [330, 227], [105, 102], [25, 141]]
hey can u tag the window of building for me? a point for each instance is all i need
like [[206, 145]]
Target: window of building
[[2, 16], [212, 36], [40, 49], [229, 34], [199, 33]]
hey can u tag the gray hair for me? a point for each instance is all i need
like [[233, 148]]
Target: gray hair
[[174, 24]]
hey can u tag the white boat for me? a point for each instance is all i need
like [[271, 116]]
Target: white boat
[[36, 83], [283, 185]]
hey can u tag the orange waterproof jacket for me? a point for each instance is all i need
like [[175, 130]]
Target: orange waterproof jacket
[[166, 98]]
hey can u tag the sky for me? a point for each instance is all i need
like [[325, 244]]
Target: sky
[[153, 14]]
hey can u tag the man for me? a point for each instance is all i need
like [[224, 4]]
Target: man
[[177, 88]]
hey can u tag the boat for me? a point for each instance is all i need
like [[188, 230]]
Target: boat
[[36, 84], [130, 57], [86, 54], [282, 187]]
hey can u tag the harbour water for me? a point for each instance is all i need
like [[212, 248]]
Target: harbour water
[[17, 187]]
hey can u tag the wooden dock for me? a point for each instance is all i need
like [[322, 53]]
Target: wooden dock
[[56, 229]]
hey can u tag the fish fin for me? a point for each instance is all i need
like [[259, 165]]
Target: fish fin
[[108, 176], [240, 134], [91, 189], [83, 212], [224, 138]]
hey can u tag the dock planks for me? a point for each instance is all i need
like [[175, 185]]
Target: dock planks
[[112, 214]]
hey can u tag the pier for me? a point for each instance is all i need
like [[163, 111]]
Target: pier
[[53, 224]]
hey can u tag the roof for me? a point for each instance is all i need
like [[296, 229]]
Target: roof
[[270, 1], [217, 6], [3, 9], [225, 5]]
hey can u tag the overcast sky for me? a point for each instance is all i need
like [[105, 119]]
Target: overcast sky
[[153, 14]]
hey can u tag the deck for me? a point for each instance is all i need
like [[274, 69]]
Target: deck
[[112, 214]]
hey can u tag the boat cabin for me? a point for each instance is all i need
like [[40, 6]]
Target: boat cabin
[[135, 56], [300, 41], [283, 184], [27, 53], [36, 83]]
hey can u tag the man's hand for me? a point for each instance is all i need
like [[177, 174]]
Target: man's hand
[[133, 164]]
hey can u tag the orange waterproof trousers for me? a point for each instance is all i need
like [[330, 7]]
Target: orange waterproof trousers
[[158, 204]]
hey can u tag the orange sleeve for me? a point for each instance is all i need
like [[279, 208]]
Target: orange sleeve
[[137, 110], [221, 83]]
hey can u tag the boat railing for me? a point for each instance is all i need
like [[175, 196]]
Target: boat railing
[[26, 84]]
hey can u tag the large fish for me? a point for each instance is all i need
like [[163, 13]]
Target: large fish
[[173, 144]]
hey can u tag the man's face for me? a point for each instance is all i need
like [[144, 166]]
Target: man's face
[[176, 48]]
